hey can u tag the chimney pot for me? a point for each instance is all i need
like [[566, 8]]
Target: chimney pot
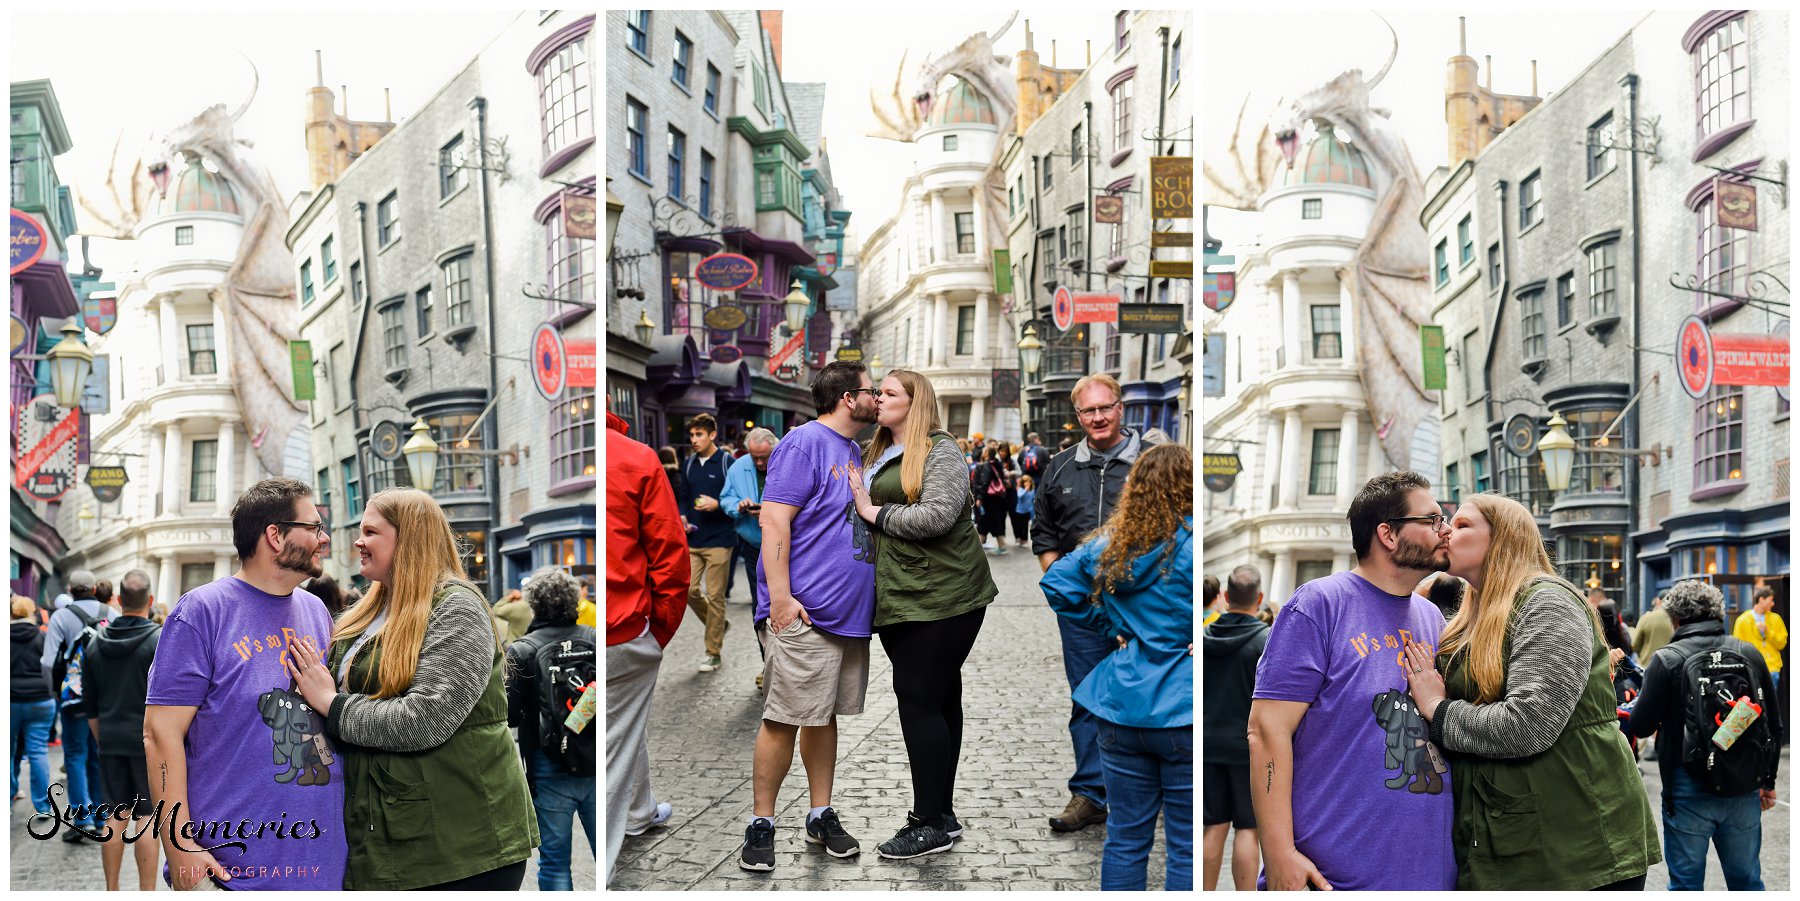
[[1534, 78], [1462, 27], [345, 90], [1052, 53], [1490, 71], [387, 99], [319, 65]]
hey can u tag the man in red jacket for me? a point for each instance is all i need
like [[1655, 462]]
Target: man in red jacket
[[646, 595]]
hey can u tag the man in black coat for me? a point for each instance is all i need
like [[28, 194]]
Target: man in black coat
[[1233, 644], [117, 678]]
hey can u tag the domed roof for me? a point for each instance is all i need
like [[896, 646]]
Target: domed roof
[[197, 189], [961, 104], [1328, 161]]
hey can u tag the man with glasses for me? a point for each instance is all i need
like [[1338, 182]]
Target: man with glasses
[[1328, 818], [1080, 488], [226, 737]]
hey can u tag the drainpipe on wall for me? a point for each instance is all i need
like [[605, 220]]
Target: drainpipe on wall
[[1162, 97], [491, 428], [362, 323], [1493, 338], [1630, 600]]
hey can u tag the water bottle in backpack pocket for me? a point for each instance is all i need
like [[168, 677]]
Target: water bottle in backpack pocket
[[70, 662], [565, 670], [1716, 681]]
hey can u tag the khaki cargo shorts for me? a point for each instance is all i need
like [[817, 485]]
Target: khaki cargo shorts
[[810, 676]]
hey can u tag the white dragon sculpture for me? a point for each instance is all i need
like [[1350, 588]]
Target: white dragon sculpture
[[261, 310], [1389, 289], [902, 114]]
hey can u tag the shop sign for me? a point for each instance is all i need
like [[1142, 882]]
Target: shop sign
[[1221, 290], [549, 362], [1062, 308], [29, 241], [1003, 272], [1734, 204], [1520, 435], [1006, 387], [1703, 359], [1171, 239], [107, 482], [100, 314], [818, 337], [1172, 187], [48, 433], [1781, 331], [1151, 319], [1431, 346], [581, 356], [1096, 308], [726, 353], [301, 356], [1172, 269], [21, 333], [725, 317], [787, 350], [1220, 471], [96, 394], [578, 215], [1109, 208], [725, 271], [384, 440]]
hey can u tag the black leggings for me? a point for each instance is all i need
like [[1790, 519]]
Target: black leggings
[[504, 879], [1634, 884], [928, 659]]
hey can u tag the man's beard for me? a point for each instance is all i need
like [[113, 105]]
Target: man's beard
[[1421, 557], [857, 414], [294, 558]]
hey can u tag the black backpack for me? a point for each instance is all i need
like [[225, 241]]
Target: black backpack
[[1711, 679], [564, 668], [69, 663]]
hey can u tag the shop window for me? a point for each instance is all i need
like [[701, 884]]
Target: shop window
[[564, 97], [1719, 439], [1593, 561], [1322, 473], [1595, 473], [572, 437]]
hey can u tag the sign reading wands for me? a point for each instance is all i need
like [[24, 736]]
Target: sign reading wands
[[1219, 471]]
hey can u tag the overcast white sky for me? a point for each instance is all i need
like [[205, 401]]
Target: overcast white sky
[[1316, 47], [136, 73], [852, 51]]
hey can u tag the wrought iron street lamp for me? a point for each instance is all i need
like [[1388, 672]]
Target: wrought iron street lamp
[[797, 304], [421, 454], [1031, 351], [1558, 451], [70, 363]]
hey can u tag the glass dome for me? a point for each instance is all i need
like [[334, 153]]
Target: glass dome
[[1328, 161], [961, 104], [198, 189]]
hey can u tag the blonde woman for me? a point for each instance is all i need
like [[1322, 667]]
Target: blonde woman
[[932, 589], [435, 793], [1547, 793]]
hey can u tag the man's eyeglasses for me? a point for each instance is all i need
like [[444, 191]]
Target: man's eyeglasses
[[872, 391], [1091, 412], [1435, 520], [318, 527]]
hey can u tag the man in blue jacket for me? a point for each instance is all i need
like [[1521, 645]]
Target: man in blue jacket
[[742, 499], [711, 540]]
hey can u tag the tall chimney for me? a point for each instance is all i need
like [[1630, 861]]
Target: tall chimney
[[1090, 52], [345, 90], [1462, 27], [1534, 78], [1490, 71], [387, 101], [319, 65], [1028, 45], [1052, 53]]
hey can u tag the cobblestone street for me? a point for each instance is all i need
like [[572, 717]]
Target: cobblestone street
[[1016, 761], [55, 866]]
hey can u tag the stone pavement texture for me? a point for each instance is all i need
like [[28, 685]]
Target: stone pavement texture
[[1775, 822], [1013, 777], [58, 866]]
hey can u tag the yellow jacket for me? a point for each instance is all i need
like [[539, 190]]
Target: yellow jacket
[[1770, 646], [585, 613], [1210, 616]]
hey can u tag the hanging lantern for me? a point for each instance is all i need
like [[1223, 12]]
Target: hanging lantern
[[797, 303], [646, 330], [1558, 452], [1031, 351], [70, 363], [421, 457]]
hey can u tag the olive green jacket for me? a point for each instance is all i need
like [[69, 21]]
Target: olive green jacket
[[435, 814], [929, 564], [1573, 816]]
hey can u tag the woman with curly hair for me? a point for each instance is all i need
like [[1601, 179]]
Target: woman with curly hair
[[434, 793], [932, 589], [1133, 580]]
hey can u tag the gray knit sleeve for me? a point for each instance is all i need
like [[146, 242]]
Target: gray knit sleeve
[[455, 664], [1552, 648], [942, 495]]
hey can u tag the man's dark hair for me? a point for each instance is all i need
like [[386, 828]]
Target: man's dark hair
[[103, 591], [1381, 499], [265, 503], [704, 422], [1209, 589], [554, 596], [1446, 593], [1762, 591], [134, 591], [1243, 588], [829, 385]]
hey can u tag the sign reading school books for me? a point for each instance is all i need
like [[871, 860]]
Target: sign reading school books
[[549, 362], [725, 271], [29, 241], [1220, 471], [1703, 359], [47, 437], [107, 482], [1172, 187]]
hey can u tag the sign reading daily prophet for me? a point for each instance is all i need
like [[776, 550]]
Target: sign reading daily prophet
[[1151, 318]]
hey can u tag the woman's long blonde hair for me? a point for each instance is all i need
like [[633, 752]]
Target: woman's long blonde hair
[[425, 560], [1515, 558], [1158, 495], [921, 421]]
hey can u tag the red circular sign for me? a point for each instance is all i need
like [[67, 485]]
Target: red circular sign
[[549, 363], [1062, 309], [1694, 357], [725, 271]]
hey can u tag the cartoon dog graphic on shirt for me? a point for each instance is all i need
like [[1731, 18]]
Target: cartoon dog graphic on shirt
[[299, 737], [1408, 744]]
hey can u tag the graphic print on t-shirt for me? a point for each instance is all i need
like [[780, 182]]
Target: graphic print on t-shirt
[[299, 736], [1409, 746], [859, 534]]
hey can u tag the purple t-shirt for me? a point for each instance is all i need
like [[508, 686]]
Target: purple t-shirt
[[832, 568], [1371, 800], [255, 751]]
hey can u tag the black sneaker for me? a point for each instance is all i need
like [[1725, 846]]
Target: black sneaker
[[916, 839], [759, 847], [826, 830], [950, 826]]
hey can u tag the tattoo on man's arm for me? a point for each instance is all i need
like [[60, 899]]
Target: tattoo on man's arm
[[777, 552], [165, 776], [1269, 784]]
